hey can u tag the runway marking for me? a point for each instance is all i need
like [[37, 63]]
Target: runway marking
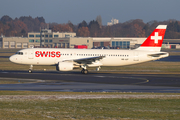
[[144, 80], [100, 76], [24, 80], [4, 72]]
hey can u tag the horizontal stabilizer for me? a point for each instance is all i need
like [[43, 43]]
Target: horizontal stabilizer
[[157, 54]]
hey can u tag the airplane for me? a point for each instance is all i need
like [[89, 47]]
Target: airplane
[[68, 59]]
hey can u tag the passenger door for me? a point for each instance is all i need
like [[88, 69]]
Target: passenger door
[[136, 56], [31, 54]]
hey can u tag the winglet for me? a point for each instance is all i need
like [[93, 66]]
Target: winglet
[[155, 40]]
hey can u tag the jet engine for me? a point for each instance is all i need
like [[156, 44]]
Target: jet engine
[[64, 66]]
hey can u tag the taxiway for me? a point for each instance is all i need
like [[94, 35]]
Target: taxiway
[[93, 82]]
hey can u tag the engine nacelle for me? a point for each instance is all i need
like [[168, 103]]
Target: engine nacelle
[[64, 66]]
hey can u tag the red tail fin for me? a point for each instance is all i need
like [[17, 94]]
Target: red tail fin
[[155, 40]]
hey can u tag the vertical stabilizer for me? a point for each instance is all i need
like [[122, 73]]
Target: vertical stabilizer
[[155, 40]]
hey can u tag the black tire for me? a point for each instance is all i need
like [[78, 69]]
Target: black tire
[[85, 71], [82, 71], [30, 71]]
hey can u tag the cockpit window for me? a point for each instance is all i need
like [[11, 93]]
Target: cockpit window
[[19, 53]]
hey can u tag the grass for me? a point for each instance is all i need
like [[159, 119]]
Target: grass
[[15, 81], [9, 50], [76, 93], [91, 109], [8, 82], [86, 109]]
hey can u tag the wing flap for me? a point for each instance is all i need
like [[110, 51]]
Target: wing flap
[[89, 60]]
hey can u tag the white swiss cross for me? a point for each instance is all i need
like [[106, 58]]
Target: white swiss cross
[[156, 37]]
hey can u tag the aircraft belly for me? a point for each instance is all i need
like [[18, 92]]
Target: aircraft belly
[[111, 61], [39, 61], [45, 61], [119, 61]]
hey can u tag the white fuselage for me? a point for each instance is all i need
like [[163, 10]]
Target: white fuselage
[[51, 56], [67, 59]]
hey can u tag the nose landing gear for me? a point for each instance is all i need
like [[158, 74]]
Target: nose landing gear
[[30, 69]]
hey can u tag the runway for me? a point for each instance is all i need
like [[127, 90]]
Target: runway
[[93, 82]]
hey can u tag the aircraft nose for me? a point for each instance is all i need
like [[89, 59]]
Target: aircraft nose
[[12, 59]]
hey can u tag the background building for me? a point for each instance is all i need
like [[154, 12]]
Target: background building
[[113, 22], [14, 42], [171, 44], [48, 39], [117, 42]]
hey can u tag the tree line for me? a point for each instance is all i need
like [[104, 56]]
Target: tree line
[[133, 28]]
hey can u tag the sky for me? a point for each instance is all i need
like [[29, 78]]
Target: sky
[[62, 11]]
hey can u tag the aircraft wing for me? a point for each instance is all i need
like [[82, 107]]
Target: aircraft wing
[[89, 60], [157, 54]]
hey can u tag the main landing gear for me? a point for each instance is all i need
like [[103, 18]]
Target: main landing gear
[[30, 69], [84, 71]]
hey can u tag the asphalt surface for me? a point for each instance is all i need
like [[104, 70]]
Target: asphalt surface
[[92, 82]]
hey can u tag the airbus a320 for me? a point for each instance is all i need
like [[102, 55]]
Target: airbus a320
[[68, 59]]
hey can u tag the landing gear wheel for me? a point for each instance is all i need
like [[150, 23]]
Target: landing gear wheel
[[84, 71], [30, 71]]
